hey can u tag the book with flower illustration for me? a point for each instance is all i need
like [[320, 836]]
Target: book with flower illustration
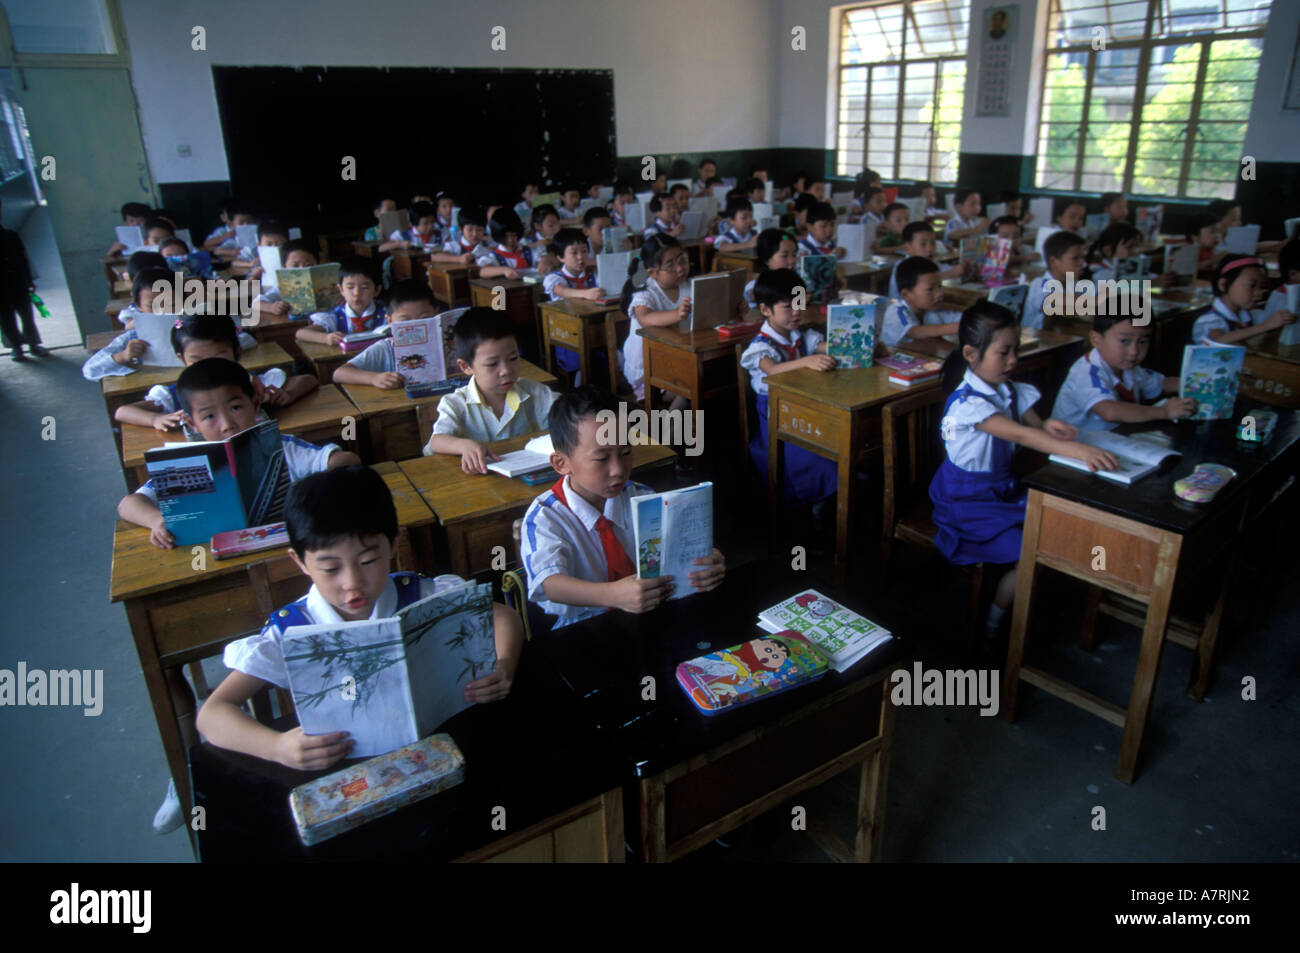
[[671, 530], [851, 331], [390, 682], [309, 290], [745, 673], [1209, 376]]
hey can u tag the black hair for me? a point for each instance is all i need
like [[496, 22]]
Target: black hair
[[564, 238], [1107, 198], [1106, 318], [379, 202], [359, 265], [753, 183], [1010, 196], [141, 260], [571, 187], [477, 325], [339, 504], [799, 176], [594, 213], [768, 244], [173, 240], [209, 374], [714, 180], [1223, 271], [871, 175], [912, 229], [1060, 242], [707, 161], [272, 228], [297, 244], [571, 409], [1063, 202], [805, 201], [820, 212], [961, 195], [205, 327], [738, 204], [1198, 222], [408, 290], [157, 222], [471, 215], [776, 286], [539, 215], [651, 254], [1220, 208], [503, 222], [240, 207], [1112, 236], [165, 214], [1288, 259], [893, 207], [146, 277], [910, 270], [979, 323], [921, 187], [623, 188], [657, 203], [870, 192], [135, 210], [678, 187], [419, 210], [1002, 220]]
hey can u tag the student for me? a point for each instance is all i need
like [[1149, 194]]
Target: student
[[543, 226], [740, 231], [1008, 227], [755, 189], [594, 222], [342, 529], [871, 179], [1068, 215], [916, 314], [468, 246], [444, 206], [196, 338], [707, 172], [665, 220], [524, 207], [798, 186], [1239, 282], [820, 239], [889, 235], [624, 195], [178, 257], [1015, 208], [967, 221], [140, 260], [680, 196], [786, 343], [820, 189], [574, 279], [1063, 253], [134, 215], [507, 251], [593, 190], [269, 235], [760, 173], [979, 505], [1115, 205], [801, 206], [578, 534], [156, 230], [358, 284], [873, 206], [568, 209], [918, 239], [220, 401], [1108, 386], [1288, 264], [225, 241], [295, 253], [374, 233], [423, 231], [1203, 232], [774, 249], [497, 403], [661, 302], [1117, 242], [376, 366], [660, 185], [930, 201]]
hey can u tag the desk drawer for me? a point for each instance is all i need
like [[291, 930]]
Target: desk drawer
[[672, 369], [809, 422], [1270, 381], [564, 329]]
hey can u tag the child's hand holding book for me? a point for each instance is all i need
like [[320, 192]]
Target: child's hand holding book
[[817, 362], [166, 422], [159, 534], [639, 595], [703, 580], [296, 749], [1176, 407], [131, 352], [387, 380]]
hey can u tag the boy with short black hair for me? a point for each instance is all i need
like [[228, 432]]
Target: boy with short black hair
[[134, 214], [916, 313], [740, 232], [577, 536], [508, 251], [681, 197], [408, 300], [918, 239], [573, 279], [343, 529], [820, 239], [702, 186], [967, 221], [1063, 253], [594, 222], [496, 403], [358, 284], [568, 209]]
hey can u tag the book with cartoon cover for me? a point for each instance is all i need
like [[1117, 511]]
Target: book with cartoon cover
[[843, 636], [1209, 376], [309, 290], [745, 673]]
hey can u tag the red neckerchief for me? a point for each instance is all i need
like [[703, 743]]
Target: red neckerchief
[[516, 258], [582, 280], [790, 350], [617, 563]]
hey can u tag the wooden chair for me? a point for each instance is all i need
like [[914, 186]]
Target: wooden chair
[[912, 451], [617, 327], [426, 415], [748, 416]]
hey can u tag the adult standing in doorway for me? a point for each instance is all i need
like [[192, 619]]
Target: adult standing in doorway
[[16, 287]]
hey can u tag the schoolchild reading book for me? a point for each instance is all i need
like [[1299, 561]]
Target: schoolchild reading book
[[358, 284], [917, 314], [666, 215], [820, 239], [1068, 214], [134, 215], [774, 248], [197, 338], [1108, 386], [295, 253], [219, 401], [408, 300], [1063, 253], [577, 536], [1288, 263], [918, 239], [342, 527], [374, 233], [663, 301], [1239, 284], [508, 252], [497, 403], [979, 504], [740, 231], [967, 222]]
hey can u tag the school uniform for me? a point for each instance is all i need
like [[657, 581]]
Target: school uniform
[[344, 320], [262, 655], [464, 413], [523, 210], [1091, 380], [654, 297], [129, 313], [616, 217], [566, 357], [979, 505], [732, 237], [416, 238], [808, 477], [749, 293], [521, 259], [164, 395], [568, 214], [565, 535], [1038, 291], [807, 246], [458, 246], [101, 363], [657, 227], [871, 218], [1220, 317], [899, 317], [958, 224], [301, 459], [219, 230]]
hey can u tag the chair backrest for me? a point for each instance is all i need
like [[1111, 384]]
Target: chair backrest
[[912, 450], [617, 327], [426, 415], [748, 411]]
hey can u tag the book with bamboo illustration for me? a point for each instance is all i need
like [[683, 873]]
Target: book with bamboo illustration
[[390, 682]]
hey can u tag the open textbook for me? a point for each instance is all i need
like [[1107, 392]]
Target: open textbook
[[672, 530], [1136, 455], [536, 455]]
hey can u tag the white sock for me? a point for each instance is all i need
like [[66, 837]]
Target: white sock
[[996, 615]]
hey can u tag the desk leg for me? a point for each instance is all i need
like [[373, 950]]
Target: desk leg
[[1153, 637], [654, 831], [1020, 611], [584, 359], [647, 366], [871, 787], [775, 467], [1209, 636], [844, 494]]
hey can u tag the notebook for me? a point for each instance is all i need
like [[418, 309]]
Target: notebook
[[841, 635], [269, 257], [1209, 376], [611, 270], [612, 239], [398, 221], [637, 216], [1135, 267], [246, 236], [1136, 457], [1242, 240], [855, 241], [711, 301], [1181, 259], [745, 673], [156, 331], [671, 530], [692, 224], [132, 236], [309, 290], [818, 273], [1149, 220]]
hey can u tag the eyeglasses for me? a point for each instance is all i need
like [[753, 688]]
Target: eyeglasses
[[681, 262]]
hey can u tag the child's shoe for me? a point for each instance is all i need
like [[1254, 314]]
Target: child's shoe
[[169, 816]]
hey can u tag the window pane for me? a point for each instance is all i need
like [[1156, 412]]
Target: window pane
[[69, 26]]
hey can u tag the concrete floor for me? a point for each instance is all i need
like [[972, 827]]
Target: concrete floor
[[1217, 781]]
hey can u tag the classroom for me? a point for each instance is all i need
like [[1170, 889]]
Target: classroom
[[436, 430]]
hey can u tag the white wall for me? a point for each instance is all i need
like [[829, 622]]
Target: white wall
[[1274, 133], [801, 102], [689, 75], [1012, 134]]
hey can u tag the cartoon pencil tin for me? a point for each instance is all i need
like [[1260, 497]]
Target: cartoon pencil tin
[[750, 671]]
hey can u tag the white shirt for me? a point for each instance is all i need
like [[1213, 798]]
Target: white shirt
[[899, 317], [1091, 380], [972, 449], [804, 340], [654, 297], [300, 457], [1220, 317], [262, 655], [326, 322], [464, 413], [459, 247], [562, 540], [1033, 316], [959, 224], [569, 279], [164, 394]]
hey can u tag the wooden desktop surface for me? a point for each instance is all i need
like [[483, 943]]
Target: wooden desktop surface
[[255, 359]]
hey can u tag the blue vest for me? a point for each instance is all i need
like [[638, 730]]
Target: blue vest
[[295, 613]]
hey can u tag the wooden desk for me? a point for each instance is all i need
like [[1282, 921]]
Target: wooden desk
[[477, 512], [520, 304], [1271, 371], [871, 276], [113, 308], [697, 777], [99, 340], [368, 249], [1149, 537], [316, 418], [391, 427], [579, 325], [125, 388], [183, 605], [1044, 365], [700, 253], [695, 365], [449, 282], [324, 358], [960, 295], [737, 258], [409, 263], [278, 329]]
